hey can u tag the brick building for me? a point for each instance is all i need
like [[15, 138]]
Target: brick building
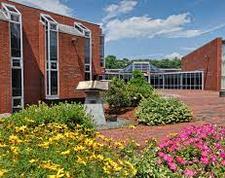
[[209, 58], [44, 55]]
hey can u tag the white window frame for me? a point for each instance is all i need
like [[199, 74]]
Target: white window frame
[[87, 34], [8, 14], [48, 62]]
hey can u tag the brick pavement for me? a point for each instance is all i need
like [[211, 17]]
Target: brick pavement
[[207, 107]]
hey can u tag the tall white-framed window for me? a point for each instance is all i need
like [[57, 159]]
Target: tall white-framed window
[[51, 53], [102, 50], [16, 46], [87, 49]]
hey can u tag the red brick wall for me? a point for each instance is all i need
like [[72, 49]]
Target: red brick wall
[[71, 66], [207, 58], [71, 69], [5, 69]]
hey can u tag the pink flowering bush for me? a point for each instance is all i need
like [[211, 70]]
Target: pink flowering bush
[[195, 152]]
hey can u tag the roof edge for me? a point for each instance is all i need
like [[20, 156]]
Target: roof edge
[[74, 18]]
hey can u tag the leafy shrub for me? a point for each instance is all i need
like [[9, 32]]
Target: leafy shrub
[[129, 94], [195, 152], [138, 88], [147, 164], [117, 96], [65, 113], [53, 150], [158, 110]]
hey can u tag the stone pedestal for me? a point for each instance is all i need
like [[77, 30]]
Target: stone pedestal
[[94, 106], [93, 100]]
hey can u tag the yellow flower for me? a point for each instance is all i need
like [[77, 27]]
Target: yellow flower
[[50, 166], [65, 152], [13, 139], [33, 161], [2, 172], [79, 148], [21, 129], [80, 160], [15, 150], [44, 145], [59, 174]]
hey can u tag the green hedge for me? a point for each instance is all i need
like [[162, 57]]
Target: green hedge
[[64, 113], [161, 111]]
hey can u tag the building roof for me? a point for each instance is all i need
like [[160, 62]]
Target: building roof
[[74, 18]]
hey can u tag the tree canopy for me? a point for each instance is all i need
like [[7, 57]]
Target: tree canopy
[[112, 62]]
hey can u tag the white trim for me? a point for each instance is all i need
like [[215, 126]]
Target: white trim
[[8, 13], [85, 31], [48, 61]]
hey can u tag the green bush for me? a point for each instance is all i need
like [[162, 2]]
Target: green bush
[[117, 96], [64, 113], [157, 111], [138, 88], [147, 164]]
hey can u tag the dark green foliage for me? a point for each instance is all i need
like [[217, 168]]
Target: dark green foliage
[[138, 88], [161, 111], [112, 62], [117, 96], [64, 113], [167, 63]]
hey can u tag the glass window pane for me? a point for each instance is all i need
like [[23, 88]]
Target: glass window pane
[[15, 40], [87, 51], [16, 82], [54, 83], [53, 45], [15, 18], [17, 103]]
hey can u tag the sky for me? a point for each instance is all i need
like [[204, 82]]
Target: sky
[[147, 28]]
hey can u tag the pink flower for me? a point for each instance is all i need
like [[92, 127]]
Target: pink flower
[[180, 160], [172, 166], [189, 173], [168, 158], [204, 160]]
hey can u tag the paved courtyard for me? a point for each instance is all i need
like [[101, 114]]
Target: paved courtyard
[[207, 107]]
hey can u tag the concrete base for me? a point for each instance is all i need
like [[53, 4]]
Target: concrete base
[[94, 107]]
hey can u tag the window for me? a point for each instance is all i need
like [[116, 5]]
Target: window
[[16, 42], [102, 55], [52, 65], [87, 50]]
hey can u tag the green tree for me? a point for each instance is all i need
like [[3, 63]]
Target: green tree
[[113, 63]]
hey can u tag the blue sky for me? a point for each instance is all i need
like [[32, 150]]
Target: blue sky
[[147, 28]]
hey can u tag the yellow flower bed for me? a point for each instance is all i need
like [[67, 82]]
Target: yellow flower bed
[[55, 151]]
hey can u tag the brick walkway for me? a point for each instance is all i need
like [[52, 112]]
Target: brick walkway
[[207, 107]]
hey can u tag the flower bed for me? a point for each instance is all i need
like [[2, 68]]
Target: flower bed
[[54, 150], [195, 152]]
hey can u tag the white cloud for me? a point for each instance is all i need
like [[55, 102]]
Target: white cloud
[[124, 6], [56, 6], [174, 55], [144, 26]]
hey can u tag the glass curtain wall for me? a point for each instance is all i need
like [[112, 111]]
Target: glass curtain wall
[[16, 42], [52, 64]]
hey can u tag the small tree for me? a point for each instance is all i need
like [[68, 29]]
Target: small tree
[[117, 96], [138, 88]]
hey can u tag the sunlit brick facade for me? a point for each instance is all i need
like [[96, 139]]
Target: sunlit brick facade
[[43, 55]]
